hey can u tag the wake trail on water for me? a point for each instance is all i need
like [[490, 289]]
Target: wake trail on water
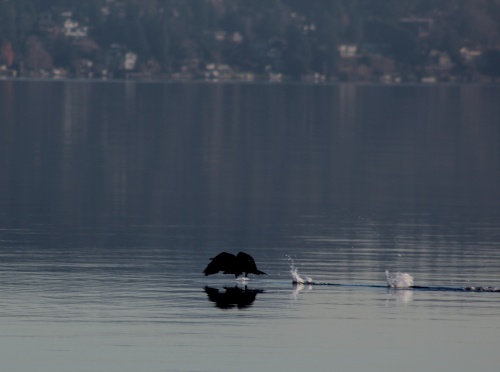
[[398, 280]]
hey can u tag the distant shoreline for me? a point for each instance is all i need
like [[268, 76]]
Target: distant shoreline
[[253, 82]]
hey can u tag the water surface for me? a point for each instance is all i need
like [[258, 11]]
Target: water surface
[[114, 195]]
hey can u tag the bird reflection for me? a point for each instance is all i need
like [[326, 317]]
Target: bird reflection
[[232, 297]]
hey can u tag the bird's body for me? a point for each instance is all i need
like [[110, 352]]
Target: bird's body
[[230, 264]]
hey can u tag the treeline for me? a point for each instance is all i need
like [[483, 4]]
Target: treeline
[[293, 37]]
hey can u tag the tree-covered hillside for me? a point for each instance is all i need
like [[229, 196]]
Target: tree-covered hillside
[[322, 39]]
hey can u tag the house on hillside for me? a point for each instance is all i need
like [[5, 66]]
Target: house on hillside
[[470, 56], [119, 58], [72, 28], [348, 51]]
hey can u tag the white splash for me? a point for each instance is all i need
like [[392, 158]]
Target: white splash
[[243, 279], [399, 280], [295, 273]]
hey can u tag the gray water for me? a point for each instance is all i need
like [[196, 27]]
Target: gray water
[[114, 195]]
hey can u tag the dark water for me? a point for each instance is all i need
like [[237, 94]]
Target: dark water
[[114, 195]]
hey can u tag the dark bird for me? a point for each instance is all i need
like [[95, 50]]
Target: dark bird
[[230, 264]]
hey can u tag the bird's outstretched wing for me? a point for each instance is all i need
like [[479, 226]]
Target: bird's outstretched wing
[[247, 264], [225, 262]]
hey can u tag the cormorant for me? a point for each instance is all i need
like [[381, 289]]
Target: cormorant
[[230, 264]]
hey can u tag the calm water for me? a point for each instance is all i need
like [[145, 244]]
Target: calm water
[[114, 195]]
